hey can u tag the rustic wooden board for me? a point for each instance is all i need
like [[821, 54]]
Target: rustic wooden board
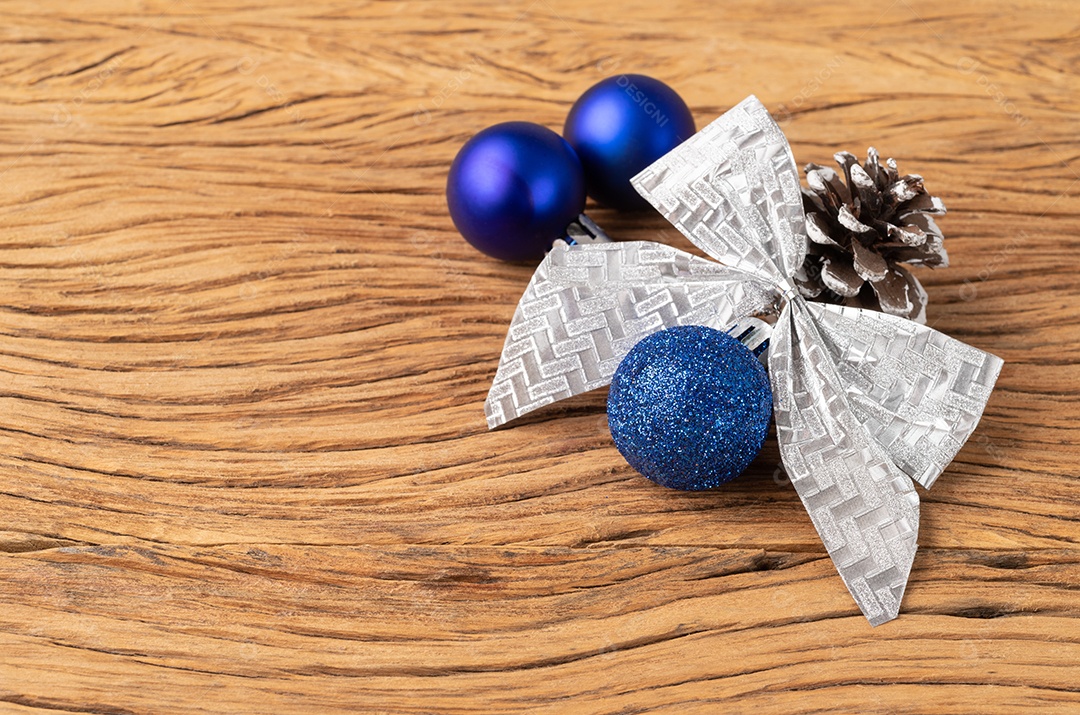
[[243, 460]]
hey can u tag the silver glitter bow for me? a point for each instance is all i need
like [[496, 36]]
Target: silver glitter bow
[[865, 403]]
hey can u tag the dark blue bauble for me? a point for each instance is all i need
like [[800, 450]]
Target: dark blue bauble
[[513, 189], [620, 126], [689, 407]]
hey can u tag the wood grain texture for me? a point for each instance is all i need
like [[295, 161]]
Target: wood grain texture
[[243, 355]]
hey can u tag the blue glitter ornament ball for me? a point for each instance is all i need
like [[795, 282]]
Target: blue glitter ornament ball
[[689, 407], [618, 127], [513, 189]]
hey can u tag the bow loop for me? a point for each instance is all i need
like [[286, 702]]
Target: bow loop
[[733, 190], [920, 392], [588, 305]]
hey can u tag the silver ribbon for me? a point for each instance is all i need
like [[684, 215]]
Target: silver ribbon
[[865, 403]]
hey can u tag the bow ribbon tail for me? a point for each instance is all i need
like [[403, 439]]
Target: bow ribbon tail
[[864, 508]]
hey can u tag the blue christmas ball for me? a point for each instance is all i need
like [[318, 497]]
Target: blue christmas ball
[[689, 407], [513, 189], [618, 127]]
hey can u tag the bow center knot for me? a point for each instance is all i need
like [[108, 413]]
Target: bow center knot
[[785, 294]]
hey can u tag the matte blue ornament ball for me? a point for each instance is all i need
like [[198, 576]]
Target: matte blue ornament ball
[[618, 127], [513, 189], [689, 407]]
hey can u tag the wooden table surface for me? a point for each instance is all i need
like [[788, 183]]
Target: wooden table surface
[[243, 459]]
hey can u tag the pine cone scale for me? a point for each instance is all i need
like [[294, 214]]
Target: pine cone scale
[[869, 265], [818, 230], [841, 277], [847, 220]]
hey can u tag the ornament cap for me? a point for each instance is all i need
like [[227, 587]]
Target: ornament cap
[[583, 230], [755, 334]]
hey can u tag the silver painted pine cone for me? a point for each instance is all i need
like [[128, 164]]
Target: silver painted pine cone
[[861, 228]]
